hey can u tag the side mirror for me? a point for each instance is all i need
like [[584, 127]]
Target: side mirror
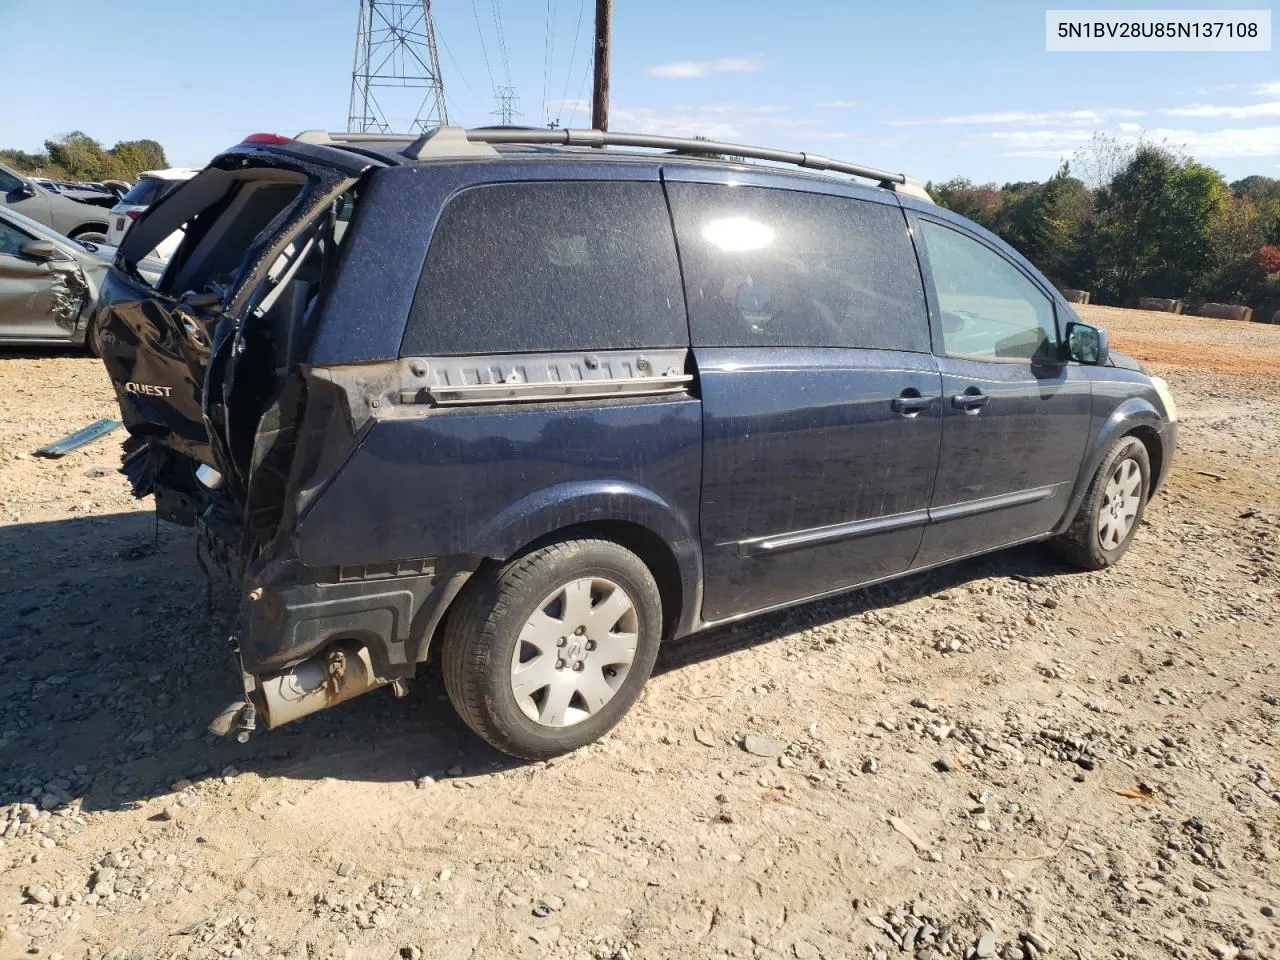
[[27, 189], [1086, 344], [39, 250]]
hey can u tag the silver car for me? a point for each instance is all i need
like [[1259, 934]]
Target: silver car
[[82, 215], [49, 283]]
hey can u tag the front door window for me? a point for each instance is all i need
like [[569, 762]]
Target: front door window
[[990, 310]]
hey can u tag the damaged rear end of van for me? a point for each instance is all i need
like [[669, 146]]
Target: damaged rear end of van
[[235, 432]]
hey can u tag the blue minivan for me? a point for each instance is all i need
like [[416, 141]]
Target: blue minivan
[[532, 406]]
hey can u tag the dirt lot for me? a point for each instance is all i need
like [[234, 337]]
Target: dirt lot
[[1002, 758]]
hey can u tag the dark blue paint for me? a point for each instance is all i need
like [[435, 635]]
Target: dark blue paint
[[798, 439], [787, 473], [487, 481], [1030, 434]]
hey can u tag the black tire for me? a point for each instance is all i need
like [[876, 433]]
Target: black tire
[[484, 629], [1082, 543], [92, 342], [92, 236]]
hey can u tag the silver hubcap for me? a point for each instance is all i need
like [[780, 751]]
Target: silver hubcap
[[574, 652], [1120, 502]]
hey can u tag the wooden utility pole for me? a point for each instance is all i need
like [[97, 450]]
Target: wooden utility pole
[[600, 85]]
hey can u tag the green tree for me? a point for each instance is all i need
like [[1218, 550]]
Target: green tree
[[1153, 226], [1235, 272], [1044, 222], [981, 204], [131, 157], [80, 155]]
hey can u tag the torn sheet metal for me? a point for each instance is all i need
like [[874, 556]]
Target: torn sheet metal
[[74, 441], [67, 291]]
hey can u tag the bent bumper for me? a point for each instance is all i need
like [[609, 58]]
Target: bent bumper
[[392, 615], [1168, 432]]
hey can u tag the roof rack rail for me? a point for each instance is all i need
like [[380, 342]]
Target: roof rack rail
[[446, 142], [328, 136], [450, 138]]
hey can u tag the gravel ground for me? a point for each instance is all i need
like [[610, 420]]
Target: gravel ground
[[1003, 758]]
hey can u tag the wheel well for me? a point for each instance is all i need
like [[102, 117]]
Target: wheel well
[[89, 228], [643, 542], [1155, 452]]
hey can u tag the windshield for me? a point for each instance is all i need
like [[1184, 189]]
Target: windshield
[[148, 190]]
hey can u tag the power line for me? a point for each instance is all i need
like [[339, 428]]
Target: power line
[[573, 53], [488, 70], [502, 40], [582, 88], [461, 75], [548, 55]]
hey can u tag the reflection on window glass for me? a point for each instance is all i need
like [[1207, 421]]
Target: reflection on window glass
[[737, 234], [525, 267], [767, 267], [990, 311], [342, 215], [8, 182], [11, 240]]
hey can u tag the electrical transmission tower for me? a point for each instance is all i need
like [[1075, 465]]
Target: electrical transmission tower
[[507, 99], [395, 60]]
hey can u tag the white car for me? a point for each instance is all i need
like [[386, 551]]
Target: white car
[[151, 186]]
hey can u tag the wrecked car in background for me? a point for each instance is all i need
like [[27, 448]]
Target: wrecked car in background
[[49, 283], [151, 187], [81, 216]]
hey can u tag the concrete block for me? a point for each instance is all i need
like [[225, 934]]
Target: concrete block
[[1225, 311], [1161, 304]]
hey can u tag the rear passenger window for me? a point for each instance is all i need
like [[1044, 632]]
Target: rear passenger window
[[768, 267], [549, 266]]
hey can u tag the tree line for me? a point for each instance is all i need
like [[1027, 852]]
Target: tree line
[[1145, 220], [78, 157]]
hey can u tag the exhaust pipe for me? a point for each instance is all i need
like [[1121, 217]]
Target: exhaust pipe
[[325, 680]]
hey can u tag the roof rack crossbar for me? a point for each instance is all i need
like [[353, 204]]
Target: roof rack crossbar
[[601, 138]]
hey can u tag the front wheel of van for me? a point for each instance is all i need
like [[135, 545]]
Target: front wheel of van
[[548, 652], [1112, 508]]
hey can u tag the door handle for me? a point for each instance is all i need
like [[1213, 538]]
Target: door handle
[[971, 401], [911, 403]]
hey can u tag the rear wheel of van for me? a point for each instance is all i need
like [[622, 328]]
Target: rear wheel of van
[[547, 653], [1112, 508]]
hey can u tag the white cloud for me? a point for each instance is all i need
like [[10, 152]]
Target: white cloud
[[1268, 89], [840, 104], [692, 69], [1017, 116], [1231, 142], [1246, 112]]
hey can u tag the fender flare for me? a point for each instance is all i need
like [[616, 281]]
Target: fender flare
[[579, 503], [1133, 412]]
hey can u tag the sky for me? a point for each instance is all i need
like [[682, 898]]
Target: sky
[[936, 90]]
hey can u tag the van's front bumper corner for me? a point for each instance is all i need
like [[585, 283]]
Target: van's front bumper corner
[[291, 614], [1168, 431]]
